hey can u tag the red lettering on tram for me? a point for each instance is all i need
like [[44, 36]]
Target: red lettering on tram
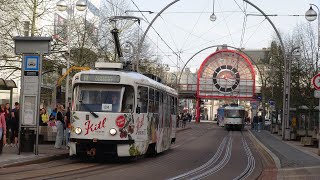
[[90, 127]]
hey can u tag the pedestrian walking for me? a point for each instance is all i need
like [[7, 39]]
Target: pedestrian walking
[[59, 125], [8, 117], [14, 124], [255, 123], [2, 128], [68, 126], [259, 123], [185, 119]]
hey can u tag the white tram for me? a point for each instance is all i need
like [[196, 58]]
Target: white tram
[[120, 113], [234, 117]]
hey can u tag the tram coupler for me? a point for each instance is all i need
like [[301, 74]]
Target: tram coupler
[[91, 152]]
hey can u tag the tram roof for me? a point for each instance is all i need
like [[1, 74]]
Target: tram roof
[[126, 77]]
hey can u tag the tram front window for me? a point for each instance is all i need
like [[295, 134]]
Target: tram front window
[[100, 98], [234, 113]]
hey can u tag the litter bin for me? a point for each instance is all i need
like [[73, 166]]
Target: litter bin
[[27, 140]]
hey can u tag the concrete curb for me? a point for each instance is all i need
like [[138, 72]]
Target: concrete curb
[[35, 161], [273, 156], [179, 130]]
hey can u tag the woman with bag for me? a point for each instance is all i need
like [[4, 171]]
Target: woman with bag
[[3, 129]]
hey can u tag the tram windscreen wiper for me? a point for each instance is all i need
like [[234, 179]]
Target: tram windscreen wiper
[[88, 109]]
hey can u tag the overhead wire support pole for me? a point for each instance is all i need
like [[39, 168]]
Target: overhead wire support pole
[[285, 115]]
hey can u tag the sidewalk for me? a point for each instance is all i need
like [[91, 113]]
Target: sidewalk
[[289, 153], [47, 152]]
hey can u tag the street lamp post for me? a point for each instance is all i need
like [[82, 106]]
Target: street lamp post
[[311, 15], [62, 5], [286, 109]]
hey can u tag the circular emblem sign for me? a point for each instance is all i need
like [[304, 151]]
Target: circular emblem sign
[[226, 78], [120, 121], [316, 81]]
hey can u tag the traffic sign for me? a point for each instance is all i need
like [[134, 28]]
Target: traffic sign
[[316, 81], [31, 63], [271, 102]]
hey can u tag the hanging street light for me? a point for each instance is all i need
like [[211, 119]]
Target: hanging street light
[[311, 15], [213, 17]]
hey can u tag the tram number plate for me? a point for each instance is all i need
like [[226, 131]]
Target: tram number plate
[[106, 107]]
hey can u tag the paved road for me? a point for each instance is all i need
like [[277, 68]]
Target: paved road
[[203, 152]]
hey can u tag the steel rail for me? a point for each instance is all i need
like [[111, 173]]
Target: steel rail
[[213, 160]]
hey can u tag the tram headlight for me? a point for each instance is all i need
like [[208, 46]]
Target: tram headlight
[[113, 131], [78, 130]]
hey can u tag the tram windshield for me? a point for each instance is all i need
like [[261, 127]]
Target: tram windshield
[[234, 113], [103, 98]]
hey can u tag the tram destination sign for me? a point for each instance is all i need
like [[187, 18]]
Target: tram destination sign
[[100, 78]]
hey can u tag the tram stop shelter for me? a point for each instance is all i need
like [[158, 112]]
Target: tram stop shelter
[[8, 85]]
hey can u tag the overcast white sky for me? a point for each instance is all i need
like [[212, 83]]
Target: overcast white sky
[[186, 27]]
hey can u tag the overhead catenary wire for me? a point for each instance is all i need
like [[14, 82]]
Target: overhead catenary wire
[[236, 32], [156, 32], [227, 26], [255, 31], [192, 29], [169, 33], [244, 24]]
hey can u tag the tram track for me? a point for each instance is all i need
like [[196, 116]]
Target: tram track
[[213, 160], [217, 163], [210, 167], [251, 161]]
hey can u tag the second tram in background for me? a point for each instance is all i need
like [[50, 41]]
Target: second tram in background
[[234, 117]]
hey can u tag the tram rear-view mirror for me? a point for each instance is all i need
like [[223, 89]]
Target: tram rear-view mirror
[[138, 110]]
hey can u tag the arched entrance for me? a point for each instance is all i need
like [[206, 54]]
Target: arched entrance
[[225, 74]]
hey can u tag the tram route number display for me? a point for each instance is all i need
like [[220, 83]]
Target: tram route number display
[[100, 78]]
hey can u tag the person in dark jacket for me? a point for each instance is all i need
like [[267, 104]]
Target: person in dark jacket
[[255, 123], [260, 123]]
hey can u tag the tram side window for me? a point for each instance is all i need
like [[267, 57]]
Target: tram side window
[[172, 105], [151, 101], [156, 102], [175, 105], [166, 109], [143, 99], [127, 100]]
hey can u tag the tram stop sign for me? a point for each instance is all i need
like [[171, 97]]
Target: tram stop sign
[[316, 81]]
